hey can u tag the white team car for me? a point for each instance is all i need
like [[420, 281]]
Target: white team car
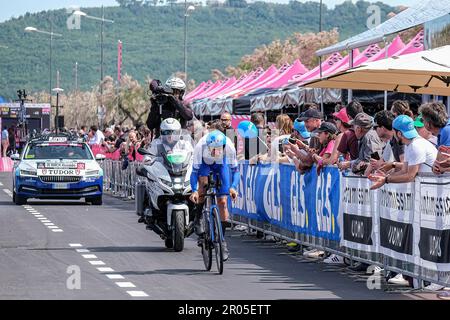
[[57, 167]]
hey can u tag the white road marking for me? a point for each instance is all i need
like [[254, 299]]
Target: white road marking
[[1, 184], [39, 216], [83, 250], [137, 294], [48, 224], [75, 245], [89, 256], [9, 193], [115, 276], [53, 227], [58, 230], [42, 218], [105, 269], [97, 263], [45, 221], [125, 285]]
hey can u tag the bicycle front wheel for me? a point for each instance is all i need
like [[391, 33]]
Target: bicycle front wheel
[[206, 245], [218, 238]]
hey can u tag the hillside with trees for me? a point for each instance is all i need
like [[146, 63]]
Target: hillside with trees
[[152, 35]]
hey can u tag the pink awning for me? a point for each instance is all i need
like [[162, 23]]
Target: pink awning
[[252, 76], [196, 90], [226, 84], [296, 69], [211, 88], [359, 59], [396, 45], [415, 45], [199, 90], [315, 73]]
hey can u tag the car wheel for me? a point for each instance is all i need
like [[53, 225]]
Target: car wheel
[[18, 200]]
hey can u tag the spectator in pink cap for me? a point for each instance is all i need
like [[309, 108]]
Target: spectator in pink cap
[[343, 125]]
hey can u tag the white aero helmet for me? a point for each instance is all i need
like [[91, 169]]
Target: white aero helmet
[[176, 83], [170, 131]]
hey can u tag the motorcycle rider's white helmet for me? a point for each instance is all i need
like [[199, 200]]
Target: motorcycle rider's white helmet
[[170, 131]]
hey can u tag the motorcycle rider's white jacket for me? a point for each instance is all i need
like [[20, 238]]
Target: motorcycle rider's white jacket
[[157, 146]]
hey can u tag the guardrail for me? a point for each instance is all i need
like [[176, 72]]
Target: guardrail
[[403, 228]]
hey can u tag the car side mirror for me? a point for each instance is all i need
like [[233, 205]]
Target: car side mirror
[[100, 157], [15, 157]]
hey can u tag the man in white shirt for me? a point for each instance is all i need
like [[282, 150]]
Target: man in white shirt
[[98, 136], [420, 155]]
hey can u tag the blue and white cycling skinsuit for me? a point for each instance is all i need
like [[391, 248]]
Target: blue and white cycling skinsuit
[[226, 167]]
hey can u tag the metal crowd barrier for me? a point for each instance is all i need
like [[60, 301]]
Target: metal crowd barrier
[[121, 183]]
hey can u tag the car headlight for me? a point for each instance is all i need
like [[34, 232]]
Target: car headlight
[[28, 173], [92, 172]]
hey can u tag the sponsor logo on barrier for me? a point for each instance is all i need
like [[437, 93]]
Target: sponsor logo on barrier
[[396, 200], [396, 236], [325, 219], [272, 203], [434, 245], [435, 206], [358, 229], [358, 196], [299, 215]]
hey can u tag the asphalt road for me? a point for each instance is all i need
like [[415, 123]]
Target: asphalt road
[[44, 244]]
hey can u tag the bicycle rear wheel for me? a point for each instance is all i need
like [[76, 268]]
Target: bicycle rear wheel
[[218, 238], [206, 245]]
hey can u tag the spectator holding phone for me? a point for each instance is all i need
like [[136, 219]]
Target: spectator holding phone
[[327, 137], [393, 152]]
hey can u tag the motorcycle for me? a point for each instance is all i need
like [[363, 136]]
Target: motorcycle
[[162, 199]]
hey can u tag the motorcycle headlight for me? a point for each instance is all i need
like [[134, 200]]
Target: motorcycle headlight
[[28, 173]]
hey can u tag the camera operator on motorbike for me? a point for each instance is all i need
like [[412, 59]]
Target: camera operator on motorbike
[[171, 140], [167, 102], [214, 153]]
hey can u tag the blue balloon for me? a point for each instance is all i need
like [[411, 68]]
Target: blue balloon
[[247, 129]]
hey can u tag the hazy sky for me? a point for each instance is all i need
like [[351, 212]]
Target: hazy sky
[[16, 8]]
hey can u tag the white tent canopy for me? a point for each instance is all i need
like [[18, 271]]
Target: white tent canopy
[[425, 72]]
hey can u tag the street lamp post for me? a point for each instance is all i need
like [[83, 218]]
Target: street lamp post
[[186, 15], [51, 34], [102, 20], [58, 91]]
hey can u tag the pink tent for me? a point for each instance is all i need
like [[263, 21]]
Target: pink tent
[[261, 84], [396, 45], [359, 59], [197, 89], [314, 73], [272, 70], [415, 45], [250, 78], [296, 69], [201, 90], [270, 73], [211, 88], [225, 84]]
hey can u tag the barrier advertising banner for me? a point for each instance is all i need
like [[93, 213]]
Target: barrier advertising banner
[[359, 219], [399, 226], [433, 208], [279, 195]]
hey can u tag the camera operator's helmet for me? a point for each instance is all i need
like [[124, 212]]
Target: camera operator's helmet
[[176, 84], [170, 131]]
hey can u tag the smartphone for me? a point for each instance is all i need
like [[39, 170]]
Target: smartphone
[[375, 156]]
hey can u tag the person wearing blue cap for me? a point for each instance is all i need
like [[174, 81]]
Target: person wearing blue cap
[[300, 131], [420, 154]]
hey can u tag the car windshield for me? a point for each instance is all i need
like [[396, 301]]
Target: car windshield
[[58, 151]]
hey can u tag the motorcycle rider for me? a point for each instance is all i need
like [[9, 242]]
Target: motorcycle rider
[[167, 102], [214, 153], [171, 140]]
